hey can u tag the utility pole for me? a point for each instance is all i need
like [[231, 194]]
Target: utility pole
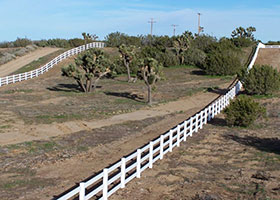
[[200, 29], [174, 29], [152, 23]]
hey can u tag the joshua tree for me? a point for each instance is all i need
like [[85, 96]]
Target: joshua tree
[[150, 71], [182, 44], [241, 32], [89, 67], [89, 37], [127, 54]]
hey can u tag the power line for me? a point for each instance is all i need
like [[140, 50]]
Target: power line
[[152, 23], [174, 29]]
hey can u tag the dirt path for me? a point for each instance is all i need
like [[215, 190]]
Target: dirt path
[[16, 64], [24, 132]]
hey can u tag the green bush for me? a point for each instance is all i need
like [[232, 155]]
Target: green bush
[[262, 80], [165, 56], [195, 57], [203, 42], [243, 111], [223, 58]]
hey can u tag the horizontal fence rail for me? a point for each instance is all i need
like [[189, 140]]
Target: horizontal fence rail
[[35, 73], [272, 46], [116, 176]]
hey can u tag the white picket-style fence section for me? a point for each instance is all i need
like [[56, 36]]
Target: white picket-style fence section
[[34, 73]]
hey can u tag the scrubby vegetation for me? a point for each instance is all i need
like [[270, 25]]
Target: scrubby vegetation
[[243, 111], [11, 53], [261, 80]]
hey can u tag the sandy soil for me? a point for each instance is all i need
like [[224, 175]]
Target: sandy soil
[[16, 64], [25, 132], [269, 57]]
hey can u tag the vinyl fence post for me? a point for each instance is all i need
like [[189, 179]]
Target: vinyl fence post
[[185, 131], [178, 135], [170, 140], [138, 163], [123, 172], [196, 122], [205, 115], [161, 147], [191, 126], [201, 119], [82, 193], [151, 154], [105, 184]]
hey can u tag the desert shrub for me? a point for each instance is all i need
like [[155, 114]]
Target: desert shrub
[[203, 42], [165, 56], [116, 39], [243, 111], [22, 42], [195, 57], [19, 42], [121, 69], [223, 59], [169, 58], [261, 79], [76, 42]]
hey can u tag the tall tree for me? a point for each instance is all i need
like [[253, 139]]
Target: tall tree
[[89, 37], [89, 68], [241, 32], [127, 54], [150, 70], [181, 44]]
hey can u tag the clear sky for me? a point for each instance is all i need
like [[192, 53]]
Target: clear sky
[[44, 19]]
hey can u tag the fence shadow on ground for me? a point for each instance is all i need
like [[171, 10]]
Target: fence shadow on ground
[[217, 90], [270, 145], [127, 95]]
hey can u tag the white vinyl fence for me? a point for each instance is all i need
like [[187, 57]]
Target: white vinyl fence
[[34, 73], [110, 179], [127, 168]]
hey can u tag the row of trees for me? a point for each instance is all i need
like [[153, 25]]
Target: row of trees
[[91, 65]]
